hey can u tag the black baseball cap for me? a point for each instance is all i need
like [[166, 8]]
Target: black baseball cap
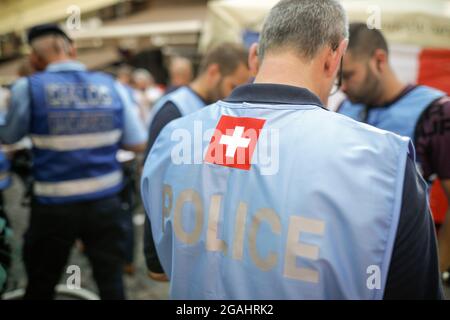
[[46, 29]]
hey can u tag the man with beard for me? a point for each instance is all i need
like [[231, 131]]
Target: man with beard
[[222, 69], [376, 96]]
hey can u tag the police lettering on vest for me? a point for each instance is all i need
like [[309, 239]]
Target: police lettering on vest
[[224, 230], [76, 125]]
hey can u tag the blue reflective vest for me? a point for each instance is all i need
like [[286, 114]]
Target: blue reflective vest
[[185, 100], [315, 220], [401, 117], [5, 178], [76, 126]]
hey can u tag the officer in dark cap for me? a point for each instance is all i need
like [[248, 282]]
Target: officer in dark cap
[[77, 120], [45, 29]]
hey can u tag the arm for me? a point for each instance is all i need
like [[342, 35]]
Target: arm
[[414, 271], [444, 232], [134, 135], [16, 124], [433, 149], [137, 148]]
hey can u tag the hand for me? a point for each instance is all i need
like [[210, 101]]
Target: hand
[[157, 276]]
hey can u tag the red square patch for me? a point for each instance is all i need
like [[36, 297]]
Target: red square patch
[[234, 141]]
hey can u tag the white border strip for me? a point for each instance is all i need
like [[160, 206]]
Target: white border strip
[[77, 141], [77, 187]]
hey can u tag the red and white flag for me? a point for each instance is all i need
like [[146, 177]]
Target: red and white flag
[[234, 142]]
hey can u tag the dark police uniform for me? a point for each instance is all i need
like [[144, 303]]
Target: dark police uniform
[[77, 120]]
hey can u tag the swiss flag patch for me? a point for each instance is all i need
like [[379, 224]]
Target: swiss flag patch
[[234, 141]]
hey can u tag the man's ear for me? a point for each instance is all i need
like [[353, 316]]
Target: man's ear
[[253, 60], [73, 52], [380, 58], [333, 58], [213, 73], [36, 62]]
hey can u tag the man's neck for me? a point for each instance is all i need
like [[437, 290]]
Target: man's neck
[[393, 87], [288, 69], [59, 60], [199, 88]]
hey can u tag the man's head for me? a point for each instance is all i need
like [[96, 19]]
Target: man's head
[[365, 65], [180, 71], [222, 69], [49, 44], [124, 74], [310, 34], [142, 79]]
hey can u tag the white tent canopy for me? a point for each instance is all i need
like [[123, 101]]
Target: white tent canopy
[[18, 15], [424, 23]]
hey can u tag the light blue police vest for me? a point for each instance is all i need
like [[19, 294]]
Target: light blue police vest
[[5, 178], [401, 117], [317, 220], [185, 100], [76, 126]]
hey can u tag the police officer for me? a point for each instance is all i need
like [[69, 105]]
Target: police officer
[[223, 68], [180, 73], [376, 96], [342, 215], [77, 120]]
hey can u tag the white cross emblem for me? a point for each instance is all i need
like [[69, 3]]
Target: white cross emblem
[[235, 141]]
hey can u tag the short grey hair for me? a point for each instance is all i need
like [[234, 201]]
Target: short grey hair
[[142, 74], [305, 26]]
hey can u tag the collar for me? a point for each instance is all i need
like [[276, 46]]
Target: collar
[[400, 96], [69, 65], [197, 95], [273, 94]]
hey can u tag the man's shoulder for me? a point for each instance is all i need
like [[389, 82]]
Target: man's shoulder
[[188, 121], [347, 104], [438, 110], [349, 124], [427, 89], [345, 135], [441, 106], [20, 84], [176, 93]]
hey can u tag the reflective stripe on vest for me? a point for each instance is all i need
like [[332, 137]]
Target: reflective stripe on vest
[[77, 187], [76, 141], [401, 117]]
